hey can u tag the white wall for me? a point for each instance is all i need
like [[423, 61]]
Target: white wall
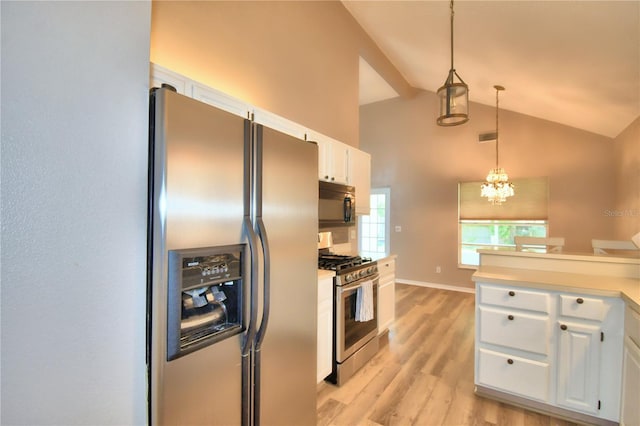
[[74, 164]]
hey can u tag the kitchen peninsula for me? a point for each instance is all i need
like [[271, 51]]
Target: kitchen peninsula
[[560, 333]]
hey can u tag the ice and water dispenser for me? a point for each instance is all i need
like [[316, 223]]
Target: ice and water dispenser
[[204, 297]]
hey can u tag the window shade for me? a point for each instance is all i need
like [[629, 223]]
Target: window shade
[[529, 201]]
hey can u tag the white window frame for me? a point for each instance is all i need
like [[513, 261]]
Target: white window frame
[[387, 221]]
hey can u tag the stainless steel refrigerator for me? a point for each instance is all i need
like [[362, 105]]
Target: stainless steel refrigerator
[[232, 255]]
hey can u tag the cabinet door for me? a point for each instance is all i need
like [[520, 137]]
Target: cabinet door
[[325, 336], [578, 366], [339, 163], [325, 327], [386, 304], [360, 178], [631, 385]]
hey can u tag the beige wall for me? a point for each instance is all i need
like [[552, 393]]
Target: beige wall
[[295, 59], [422, 164], [626, 215]]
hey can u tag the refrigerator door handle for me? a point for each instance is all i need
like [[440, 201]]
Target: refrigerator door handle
[[264, 241], [266, 303], [248, 396], [262, 233]]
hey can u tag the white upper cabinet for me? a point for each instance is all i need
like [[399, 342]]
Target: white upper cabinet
[[337, 162], [159, 76], [220, 100], [208, 95], [281, 124], [333, 159], [360, 174]]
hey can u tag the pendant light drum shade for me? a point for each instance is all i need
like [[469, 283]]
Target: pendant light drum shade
[[454, 104], [453, 96]]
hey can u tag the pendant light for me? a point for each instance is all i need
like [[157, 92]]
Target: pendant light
[[497, 187], [454, 95]]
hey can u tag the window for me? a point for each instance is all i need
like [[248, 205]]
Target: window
[[494, 234], [485, 226], [374, 229]]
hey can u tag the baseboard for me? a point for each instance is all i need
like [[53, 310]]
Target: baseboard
[[436, 285], [542, 408]]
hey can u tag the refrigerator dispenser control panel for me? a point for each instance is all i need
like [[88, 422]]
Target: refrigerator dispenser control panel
[[205, 288]]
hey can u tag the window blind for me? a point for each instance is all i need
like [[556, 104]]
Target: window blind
[[529, 202]]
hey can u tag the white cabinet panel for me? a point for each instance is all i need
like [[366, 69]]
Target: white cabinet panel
[[515, 297], [579, 366], [630, 411], [582, 307], [630, 415], [325, 327], [521, 376], [159, 75], [514, 329], [360, 178], [220, 100], [333, 159], [386, 293]]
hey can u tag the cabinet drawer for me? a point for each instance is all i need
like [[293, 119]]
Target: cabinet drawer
[[514, 374], [582, 307], [514, 297], [386, 267], [514, 329], [632, 325]]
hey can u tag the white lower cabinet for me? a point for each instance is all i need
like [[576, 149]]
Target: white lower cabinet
[[579, 348], [386, 293], [515, 374], [630, 412], [325, 327], [556, 349]]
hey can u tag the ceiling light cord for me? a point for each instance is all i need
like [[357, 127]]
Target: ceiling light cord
[[452, 13], [497, 129]]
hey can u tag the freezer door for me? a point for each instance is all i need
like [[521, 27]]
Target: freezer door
[[287, 388], [197, 201]]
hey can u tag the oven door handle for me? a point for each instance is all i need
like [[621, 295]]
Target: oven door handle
[[358, 283]]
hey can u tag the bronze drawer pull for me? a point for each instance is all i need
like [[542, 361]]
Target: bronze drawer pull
[[510, 361], [510, 317], [563, 327], [512, 293], [580, 300]]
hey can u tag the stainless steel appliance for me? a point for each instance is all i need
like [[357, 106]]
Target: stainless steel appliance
[[337, 205], [355, 337], [232, 252]]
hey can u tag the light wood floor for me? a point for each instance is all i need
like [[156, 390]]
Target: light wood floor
[[423, 373]]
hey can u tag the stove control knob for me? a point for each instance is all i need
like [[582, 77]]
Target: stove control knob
[[348, 277]]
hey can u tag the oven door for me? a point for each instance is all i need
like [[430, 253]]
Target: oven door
[[350, 334]]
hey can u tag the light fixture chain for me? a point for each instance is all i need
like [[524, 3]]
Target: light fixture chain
[[452, 13], [497, 128]]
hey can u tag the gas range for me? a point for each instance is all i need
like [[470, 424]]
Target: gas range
[[348, 268]]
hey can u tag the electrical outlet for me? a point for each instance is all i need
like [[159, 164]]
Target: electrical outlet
[[438, 269], [398, 228]]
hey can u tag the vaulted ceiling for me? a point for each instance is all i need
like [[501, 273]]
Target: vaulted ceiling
[[572, 62]]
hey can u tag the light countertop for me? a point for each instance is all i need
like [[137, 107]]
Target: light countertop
[[564, 272], [323, 273]]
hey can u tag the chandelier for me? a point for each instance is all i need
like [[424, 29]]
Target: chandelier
[[453, 96], [497, 187]]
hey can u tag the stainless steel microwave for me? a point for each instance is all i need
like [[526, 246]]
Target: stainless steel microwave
[[337, 205]]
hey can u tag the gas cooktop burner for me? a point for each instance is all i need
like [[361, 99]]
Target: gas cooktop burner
[[340, 262]]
